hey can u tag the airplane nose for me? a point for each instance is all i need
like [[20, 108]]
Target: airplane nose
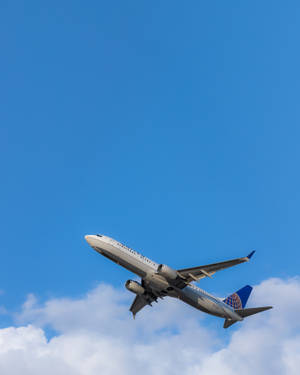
[[88, 238]]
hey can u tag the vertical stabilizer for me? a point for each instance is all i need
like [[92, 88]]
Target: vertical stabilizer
[[239, 299]]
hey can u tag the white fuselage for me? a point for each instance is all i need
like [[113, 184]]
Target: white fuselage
[[147, 270]]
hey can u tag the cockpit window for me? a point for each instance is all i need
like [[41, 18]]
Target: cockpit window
[[99, 235]]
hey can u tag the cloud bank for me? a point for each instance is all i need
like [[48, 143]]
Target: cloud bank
[[95, 334]]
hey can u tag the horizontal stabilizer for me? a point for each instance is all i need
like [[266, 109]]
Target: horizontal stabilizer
[[252, 310], [228, 323], [243, 313]]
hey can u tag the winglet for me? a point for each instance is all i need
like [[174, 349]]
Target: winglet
[[250, 255]]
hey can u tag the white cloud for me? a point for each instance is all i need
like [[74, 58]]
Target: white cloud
[[96, 334]]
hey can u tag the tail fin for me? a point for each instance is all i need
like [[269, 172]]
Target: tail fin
[[239, 299]]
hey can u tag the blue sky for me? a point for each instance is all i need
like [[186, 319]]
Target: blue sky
[[171, 126]]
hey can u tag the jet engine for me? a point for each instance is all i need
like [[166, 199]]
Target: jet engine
[[134, 287], [167, 272]]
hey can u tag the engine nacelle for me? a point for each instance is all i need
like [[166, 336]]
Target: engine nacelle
[[167, 272], [134, 287]]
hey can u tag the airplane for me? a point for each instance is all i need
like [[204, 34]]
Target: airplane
[[160, 280]]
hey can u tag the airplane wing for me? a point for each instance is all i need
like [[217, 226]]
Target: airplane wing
[[142, 300], [197, 273], [137, 305]]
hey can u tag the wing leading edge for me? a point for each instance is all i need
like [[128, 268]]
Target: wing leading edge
[[198, 273]]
